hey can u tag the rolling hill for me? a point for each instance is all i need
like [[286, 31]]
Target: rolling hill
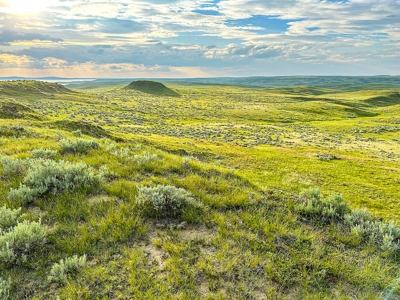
[[151, 87]]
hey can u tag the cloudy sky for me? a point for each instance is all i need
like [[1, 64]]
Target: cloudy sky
[[199, 38]]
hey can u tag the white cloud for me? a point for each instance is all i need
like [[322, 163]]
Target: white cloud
[[125, 36]]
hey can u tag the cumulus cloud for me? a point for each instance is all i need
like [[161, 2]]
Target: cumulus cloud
[[203, 37]]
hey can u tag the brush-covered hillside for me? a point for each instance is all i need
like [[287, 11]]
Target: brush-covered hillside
[[226, 192], [151, 87], [31, 87]]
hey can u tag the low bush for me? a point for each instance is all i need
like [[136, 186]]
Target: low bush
[[359, 222], [326, 157], [164, 201], [5, 287], [77, 133], [312, 206], [66, 267], [15, 166], [19, 241], [81, 146], [50, 177], [112, 148], [44, 153], [384, 235], [9, 218], [145, 158]]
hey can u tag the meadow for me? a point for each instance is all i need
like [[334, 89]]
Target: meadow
[[214, 191]]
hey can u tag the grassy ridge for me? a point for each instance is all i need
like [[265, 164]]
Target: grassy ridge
[[244, 154]]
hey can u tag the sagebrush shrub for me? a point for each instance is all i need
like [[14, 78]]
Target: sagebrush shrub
[[187, 159], [9, 218], [44, 153], [312, 206], [77, 133], [384, 235], [145, 158], [5, 287], [360, 223], [61, 271], [19, 241], [164, 201], [15, 166], [123, 152], [78, 146], [50, 177]]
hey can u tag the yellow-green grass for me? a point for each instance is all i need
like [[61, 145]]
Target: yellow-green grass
[[247, 241]]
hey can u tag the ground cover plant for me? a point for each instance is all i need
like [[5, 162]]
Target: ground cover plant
[[225, 192]]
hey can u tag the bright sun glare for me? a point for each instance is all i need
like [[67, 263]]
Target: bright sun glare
[[28, 6]]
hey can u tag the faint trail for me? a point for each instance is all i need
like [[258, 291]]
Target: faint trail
[[391, 291]]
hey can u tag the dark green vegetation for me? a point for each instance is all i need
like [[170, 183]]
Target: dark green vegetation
[[15, 110], [151, 87], [84, 193]]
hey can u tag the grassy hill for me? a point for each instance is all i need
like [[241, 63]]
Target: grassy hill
[[31, 87], [226, 192], [15, 110], [151, 87]]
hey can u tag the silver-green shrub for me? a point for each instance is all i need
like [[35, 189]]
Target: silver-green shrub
[[145, 158], [5, 287], [164, 201], [61, 271], [18, 242], [15, 166], [50, 177], [77, 146], [44, 153], [123, 152], [9, 217], [385, 235], [312, 205], [77, 133]]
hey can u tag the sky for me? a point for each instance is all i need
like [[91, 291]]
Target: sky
[[198, 38]]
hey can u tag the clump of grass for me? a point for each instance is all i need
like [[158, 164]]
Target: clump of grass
[[50, 177], [19, 241], [65, 268], [164, 201], [81, 146]]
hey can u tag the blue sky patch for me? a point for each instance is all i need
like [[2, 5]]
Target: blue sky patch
[[198, 38], [338, 1], [268, 24], [207, 12]]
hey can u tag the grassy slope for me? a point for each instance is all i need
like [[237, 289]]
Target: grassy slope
[[151, 87], [249, 243]]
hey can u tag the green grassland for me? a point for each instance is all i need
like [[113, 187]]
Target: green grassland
[[244, 152]]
